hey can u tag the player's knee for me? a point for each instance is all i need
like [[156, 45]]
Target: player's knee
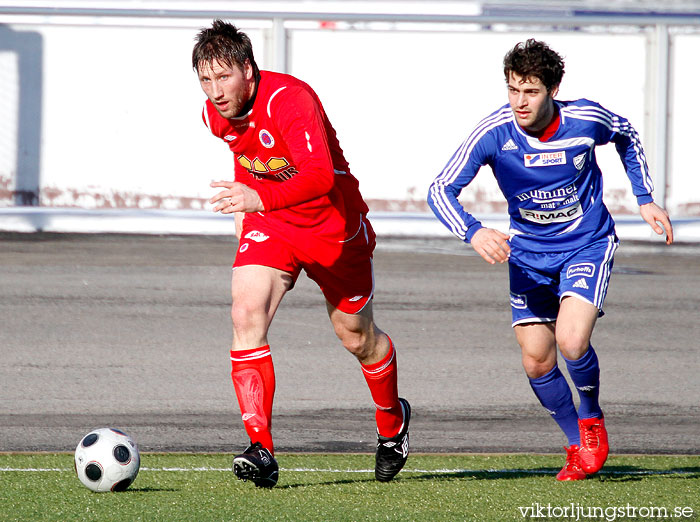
[[537, 367], [573, 346], [355, 345], [356, 342], [538, 358], [246, 318]]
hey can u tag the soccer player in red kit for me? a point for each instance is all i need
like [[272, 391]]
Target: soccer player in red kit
[[296, 206]]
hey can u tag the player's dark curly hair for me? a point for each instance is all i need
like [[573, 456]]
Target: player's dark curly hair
[[534, 59], [224, 43]]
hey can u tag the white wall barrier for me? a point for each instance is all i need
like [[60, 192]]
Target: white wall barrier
[[105, 112]]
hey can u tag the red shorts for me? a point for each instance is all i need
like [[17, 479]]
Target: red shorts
[[342, 269]]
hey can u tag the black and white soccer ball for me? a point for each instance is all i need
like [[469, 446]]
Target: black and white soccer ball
[[107, 459]]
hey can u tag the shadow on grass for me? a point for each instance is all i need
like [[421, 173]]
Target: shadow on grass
[[633, 473], [326, 483], [409, 476], [608, 474], [148, 489]]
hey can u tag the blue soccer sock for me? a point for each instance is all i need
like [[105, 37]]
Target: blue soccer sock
[[554, 394], [585, 374]]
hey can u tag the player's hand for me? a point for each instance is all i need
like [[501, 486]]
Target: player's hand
[[654, 214], [492, 245], [236, 198]]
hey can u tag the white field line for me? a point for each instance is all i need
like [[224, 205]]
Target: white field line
[[421, 471]]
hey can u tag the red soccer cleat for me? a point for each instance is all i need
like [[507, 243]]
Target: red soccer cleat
[[594, 444], [572, 469]]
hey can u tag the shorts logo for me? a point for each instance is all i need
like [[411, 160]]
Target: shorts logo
[[266, 139], [518, 301], [580, 269], [581, 283], [244, 247], [247, 416], [545, 159], [256, 236], [356, 298]]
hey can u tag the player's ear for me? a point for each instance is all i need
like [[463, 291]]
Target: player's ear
[[247, 70], [554, 91]]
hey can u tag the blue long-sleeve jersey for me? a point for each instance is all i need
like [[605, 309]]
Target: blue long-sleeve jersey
[[554, 189]]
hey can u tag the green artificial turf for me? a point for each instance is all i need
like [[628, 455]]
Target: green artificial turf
[[330, 487]]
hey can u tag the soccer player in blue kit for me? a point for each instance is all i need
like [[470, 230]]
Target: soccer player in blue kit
[[561, 241]]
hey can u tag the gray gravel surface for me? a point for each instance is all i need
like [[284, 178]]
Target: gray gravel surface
[[133, 332]]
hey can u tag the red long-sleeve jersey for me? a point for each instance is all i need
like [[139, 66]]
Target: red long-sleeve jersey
[[286, 149]]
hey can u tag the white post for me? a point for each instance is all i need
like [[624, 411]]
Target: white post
[[279, 43], [661, 105]]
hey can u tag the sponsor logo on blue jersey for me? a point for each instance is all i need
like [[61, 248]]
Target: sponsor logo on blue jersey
[[561, 215], [580, 269], [509, 145], [545, 159], [558, 195]]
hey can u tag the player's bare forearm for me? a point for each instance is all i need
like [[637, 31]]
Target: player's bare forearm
[[236, 197], [492, 245], [658, 219]]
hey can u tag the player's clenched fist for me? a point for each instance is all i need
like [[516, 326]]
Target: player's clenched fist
[[236, 198]]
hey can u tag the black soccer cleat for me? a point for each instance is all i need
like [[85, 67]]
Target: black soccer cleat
[[257, 464], [393, 452]]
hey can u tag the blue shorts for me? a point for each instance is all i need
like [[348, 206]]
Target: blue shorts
[[539, 281]]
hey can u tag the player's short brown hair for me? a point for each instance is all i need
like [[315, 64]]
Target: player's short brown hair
[[534, 59], [225, 43]]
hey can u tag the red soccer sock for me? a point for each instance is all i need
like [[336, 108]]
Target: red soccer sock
[[381, 378], [253, 376]]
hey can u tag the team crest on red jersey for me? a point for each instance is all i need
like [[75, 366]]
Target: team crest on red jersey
[[266, 139]]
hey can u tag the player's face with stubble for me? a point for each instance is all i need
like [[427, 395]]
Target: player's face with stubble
[[532, 104], [228, 87]]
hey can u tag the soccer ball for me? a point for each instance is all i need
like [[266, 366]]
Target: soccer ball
[[107, 459]]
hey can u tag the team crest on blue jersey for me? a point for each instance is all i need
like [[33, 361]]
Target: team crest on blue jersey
[[545, 159], [266, 139], [580, 161]]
